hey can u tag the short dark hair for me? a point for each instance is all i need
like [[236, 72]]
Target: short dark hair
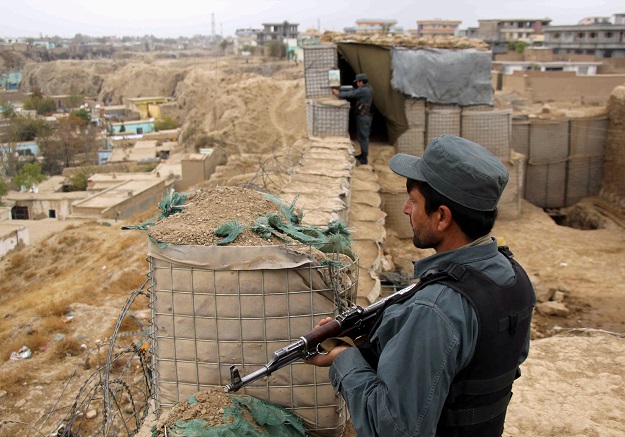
[[473, 223]]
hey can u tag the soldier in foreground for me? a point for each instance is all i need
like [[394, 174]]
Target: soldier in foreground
[[443, 361]]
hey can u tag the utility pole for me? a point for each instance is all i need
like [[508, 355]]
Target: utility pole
[[213, 36]]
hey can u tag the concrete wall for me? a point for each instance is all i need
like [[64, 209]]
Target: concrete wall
[[562, 86], [138, 203], [12, 236], [197, 168], [40, 208]]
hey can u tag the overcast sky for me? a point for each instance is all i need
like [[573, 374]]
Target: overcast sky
[[65, 18]]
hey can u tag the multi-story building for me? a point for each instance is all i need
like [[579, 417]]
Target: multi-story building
[[594, 20], [309, 37], [512, 29], [374, 26], [436, 28], [277, 32], [599, 40], [499, 32], [246, 40]]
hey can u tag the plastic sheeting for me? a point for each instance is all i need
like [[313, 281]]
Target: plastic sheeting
[[461, 77], [247, 417]]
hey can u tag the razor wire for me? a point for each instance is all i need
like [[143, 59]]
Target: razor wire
[[119, 389]]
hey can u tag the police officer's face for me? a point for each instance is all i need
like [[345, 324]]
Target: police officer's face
[[423, 225]]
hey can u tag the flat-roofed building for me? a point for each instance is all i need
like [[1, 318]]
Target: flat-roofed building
[[372, 26], [599, 40], [436, 27]]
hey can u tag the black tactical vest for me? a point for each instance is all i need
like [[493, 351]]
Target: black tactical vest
[[479, 394]]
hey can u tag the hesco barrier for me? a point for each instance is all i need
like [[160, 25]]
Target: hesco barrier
[[520, 136], [217, 306], [415, 113], [509, 205], [320, 57], [411, 142], [565, 159], [442, 121], [490, 129], [317, 83], [545, 184], [549, 142], [584, 175], [393, 206], [588, 136], [327, 117]]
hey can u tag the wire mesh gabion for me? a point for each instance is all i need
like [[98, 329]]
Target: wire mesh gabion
[[327, 118], [490, 129], [206, 318], [442, 122], [320, 57]]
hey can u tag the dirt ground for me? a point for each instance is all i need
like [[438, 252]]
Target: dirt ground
[[572, 382]]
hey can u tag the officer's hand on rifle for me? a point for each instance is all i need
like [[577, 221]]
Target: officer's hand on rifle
[[326, 359]]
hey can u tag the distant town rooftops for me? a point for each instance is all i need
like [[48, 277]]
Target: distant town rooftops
[[544, 20], [375, 21]]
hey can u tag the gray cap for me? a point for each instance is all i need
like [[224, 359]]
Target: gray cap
[[459, 169], [361, 76]]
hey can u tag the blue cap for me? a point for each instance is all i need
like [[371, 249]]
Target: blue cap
[[459, 169]]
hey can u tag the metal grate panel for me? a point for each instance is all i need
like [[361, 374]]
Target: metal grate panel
[[490, 129], [323, 57], [549, 142], [330, 118], [442, 122], [411, 142], [545, 184], [317, 83]]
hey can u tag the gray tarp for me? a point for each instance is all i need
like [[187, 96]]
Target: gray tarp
[[461, 77]]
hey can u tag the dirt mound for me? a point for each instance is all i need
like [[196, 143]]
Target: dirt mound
[[241, 107], [205, 211]]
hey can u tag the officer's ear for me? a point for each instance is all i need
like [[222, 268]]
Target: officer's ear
[[444, 218]]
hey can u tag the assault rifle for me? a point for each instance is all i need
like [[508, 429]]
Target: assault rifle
[[339, 87], [357, 322]]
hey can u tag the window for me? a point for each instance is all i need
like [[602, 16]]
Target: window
[[580, 35], [139, 130], [51, 213], [593, 35], [19, 213], [556, 35], [609, 34]]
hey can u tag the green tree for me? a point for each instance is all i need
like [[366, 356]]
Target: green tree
[[7, 109], [29, 175], [37, 102], [79, 180], [165, 123], [4, 189], [276, 49], [83, 114], [74, 142], [25, 129], [75, 100]]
